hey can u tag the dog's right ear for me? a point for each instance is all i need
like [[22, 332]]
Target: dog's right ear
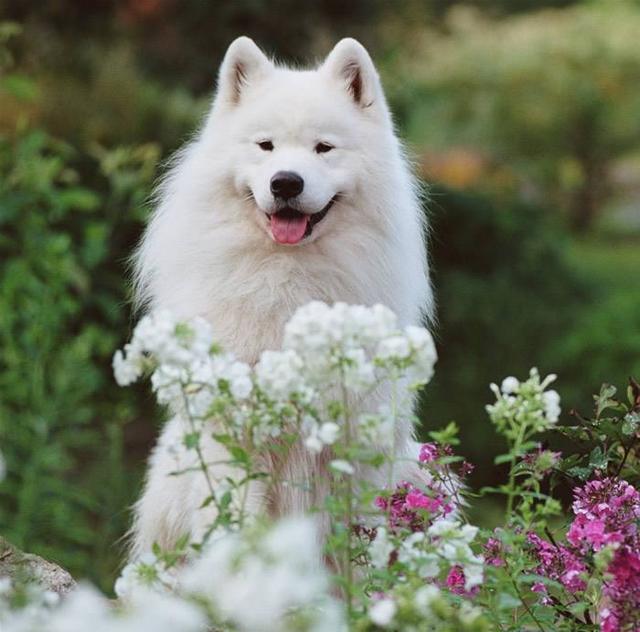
[[243, 64]]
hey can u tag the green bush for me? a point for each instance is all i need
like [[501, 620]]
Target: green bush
[[61, 315], [507, 295]]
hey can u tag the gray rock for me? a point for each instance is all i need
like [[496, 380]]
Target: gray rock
[[20, 566]]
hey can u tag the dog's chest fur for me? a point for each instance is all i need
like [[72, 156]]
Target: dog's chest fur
[[248, 297]]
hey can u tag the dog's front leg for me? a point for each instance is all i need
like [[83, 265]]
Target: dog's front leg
[[176, 499]]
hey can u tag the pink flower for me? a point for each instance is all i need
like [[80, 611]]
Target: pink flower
[[591, 534], [409, 507], [417, 500], [455, 580], [429, 452], [607, 511], [614, 501], [466, 468], [621, 595], [558, 563], [493, 553], [608, 621]]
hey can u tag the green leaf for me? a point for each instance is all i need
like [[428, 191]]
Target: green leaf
[[225, 501], [630, 423], [598, 459], [79, 199], [20, 87], [507, 601], [579, 472], [446, 436], [531, 578], [239, 455], [207, 501], [191, 440], [578, 608], [605, 399]]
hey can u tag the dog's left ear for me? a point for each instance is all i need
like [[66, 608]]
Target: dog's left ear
[[350, 63], [243, 64]]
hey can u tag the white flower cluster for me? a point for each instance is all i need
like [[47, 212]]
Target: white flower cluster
[[321, 434], [38, 603], [187, 369], [324, 346], [140, 576], [426, 604], [452, 540], [258, 581], [159, 335], [446, 543], [349, 342], [86, 609], [526, 402]]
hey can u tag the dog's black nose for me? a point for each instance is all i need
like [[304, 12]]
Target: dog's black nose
[[286, 184]]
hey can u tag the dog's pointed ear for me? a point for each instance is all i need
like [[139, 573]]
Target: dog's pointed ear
[[350, 63], [243, 64]]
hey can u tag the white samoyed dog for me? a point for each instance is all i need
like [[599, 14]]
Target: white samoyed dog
[[295, 189]]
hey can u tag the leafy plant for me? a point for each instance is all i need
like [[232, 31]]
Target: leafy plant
[[61, 420]]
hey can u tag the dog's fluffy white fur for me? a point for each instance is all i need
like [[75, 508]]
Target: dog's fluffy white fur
[[210, 251]]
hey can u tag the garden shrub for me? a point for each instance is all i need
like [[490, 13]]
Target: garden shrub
[[61, 313], [506, 296]]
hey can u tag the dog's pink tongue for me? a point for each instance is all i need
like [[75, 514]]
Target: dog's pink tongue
[[288, 230]]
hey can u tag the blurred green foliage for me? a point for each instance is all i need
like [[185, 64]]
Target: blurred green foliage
[[551, 97], [507, 295], [61, 316], [124, 83]]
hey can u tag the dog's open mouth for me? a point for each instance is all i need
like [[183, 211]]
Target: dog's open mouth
[[290, 226]]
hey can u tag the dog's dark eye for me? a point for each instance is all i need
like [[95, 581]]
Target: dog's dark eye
[[323, 148], [265, 145]]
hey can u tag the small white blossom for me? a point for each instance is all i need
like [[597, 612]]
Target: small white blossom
[[320, 435], [382, 612], [509, 385], [279, 374], [359, 373], [142, 575], [425, 597], [328, 432], [473, 572], [380, 549], [340, 465], [551, 401], [313, 443], [127, 369], [394, 347], [412, 553]]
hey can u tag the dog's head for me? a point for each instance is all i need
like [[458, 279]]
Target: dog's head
[[300, 146]]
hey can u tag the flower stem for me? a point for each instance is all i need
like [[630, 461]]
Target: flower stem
[[515, 452], [348, 570]]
